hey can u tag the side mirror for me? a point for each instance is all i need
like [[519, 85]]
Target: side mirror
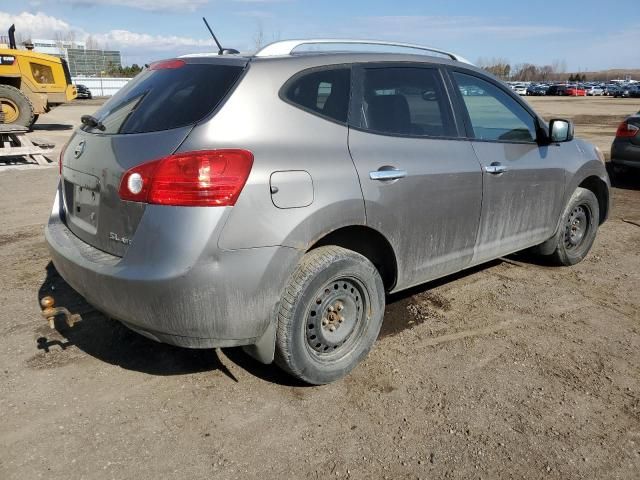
[[560, 130]]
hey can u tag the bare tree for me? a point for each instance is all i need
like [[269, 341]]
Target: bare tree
[[500, 67]]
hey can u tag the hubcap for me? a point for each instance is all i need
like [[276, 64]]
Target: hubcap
[[10, 110], [576, 227], [336, 315]]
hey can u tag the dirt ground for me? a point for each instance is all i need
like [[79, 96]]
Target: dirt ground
[[512, 370]]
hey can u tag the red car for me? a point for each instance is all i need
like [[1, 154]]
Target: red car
[[574, 91]]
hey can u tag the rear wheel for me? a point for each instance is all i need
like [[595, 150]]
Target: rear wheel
[[578, 229], [330, 315], [16, 107]]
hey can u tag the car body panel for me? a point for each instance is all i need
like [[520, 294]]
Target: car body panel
[[179, 288], [298, 139], [106, 158], [520, 206], [431, 216]]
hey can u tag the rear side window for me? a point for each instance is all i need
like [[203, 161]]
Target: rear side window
[[323, 92], [494, 114], [162, 98], [405, 101]]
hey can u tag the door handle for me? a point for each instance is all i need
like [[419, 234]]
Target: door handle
[[495, 168], [382, 175]]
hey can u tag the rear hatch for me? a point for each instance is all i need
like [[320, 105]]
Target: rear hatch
[[146, 120]]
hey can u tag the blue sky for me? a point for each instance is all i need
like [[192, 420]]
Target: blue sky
[[586, 35]]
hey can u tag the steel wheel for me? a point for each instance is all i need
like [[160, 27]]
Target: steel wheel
[[336, 319], [577, 227], [10, 110]]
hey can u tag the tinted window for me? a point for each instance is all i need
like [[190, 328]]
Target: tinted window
[[41, 73], [167, 98], [494, 114], [325, 92], [405, 101]]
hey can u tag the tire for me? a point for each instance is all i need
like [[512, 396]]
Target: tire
[[330, 315], [16, 106], [35, 119], [578, 229]]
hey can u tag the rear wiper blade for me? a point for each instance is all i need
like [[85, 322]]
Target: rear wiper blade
[[91, 121]]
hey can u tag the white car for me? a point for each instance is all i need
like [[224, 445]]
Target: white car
[[520, 89], [594, 91]]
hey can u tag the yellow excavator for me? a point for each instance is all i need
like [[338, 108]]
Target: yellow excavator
[[31, 83]]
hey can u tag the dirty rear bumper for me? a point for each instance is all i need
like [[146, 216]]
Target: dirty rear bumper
[[625, 153], [185, 293]]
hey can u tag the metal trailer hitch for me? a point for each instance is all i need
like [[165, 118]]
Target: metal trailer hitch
[[50, 313]]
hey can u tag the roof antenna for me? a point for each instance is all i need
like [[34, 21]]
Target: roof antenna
[[221, 51]]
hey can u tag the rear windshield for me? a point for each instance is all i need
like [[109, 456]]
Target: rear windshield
[[166, 98]]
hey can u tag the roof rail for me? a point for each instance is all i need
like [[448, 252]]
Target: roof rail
[[287, 47]]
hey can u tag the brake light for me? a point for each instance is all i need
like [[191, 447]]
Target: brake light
[[212, 178], [167, 65], [627, 130]]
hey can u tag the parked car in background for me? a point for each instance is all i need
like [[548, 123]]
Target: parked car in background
[[623, 91], [634, 91], [575, 91], [520, 89], [83, 91], [594, 91], [195, 227], [625, 150], [558, 90], [537, 90]]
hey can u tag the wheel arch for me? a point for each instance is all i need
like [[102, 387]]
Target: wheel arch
[[11, 81], [369, 243], [600, 189]]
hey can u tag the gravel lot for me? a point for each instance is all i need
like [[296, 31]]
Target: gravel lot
[[511, 370]]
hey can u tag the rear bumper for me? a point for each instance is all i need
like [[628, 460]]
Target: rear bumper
[[625, 153], [174, 289]]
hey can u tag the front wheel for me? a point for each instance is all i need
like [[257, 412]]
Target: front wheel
[[330, 315], [578, 228], [16, 107]]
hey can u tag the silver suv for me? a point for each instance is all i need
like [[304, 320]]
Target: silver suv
[[272, 201]]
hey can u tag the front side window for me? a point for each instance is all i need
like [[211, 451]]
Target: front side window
[[324, 92], [494, 114], [405, 101], [42, 73]]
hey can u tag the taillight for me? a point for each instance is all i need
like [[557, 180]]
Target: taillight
[[167, 64], [627, 130], [212, 178]]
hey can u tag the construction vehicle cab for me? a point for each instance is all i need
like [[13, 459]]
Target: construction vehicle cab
[[31, 84]]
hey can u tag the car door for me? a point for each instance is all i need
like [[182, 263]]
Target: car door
[[422, 183], [523, 183]]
